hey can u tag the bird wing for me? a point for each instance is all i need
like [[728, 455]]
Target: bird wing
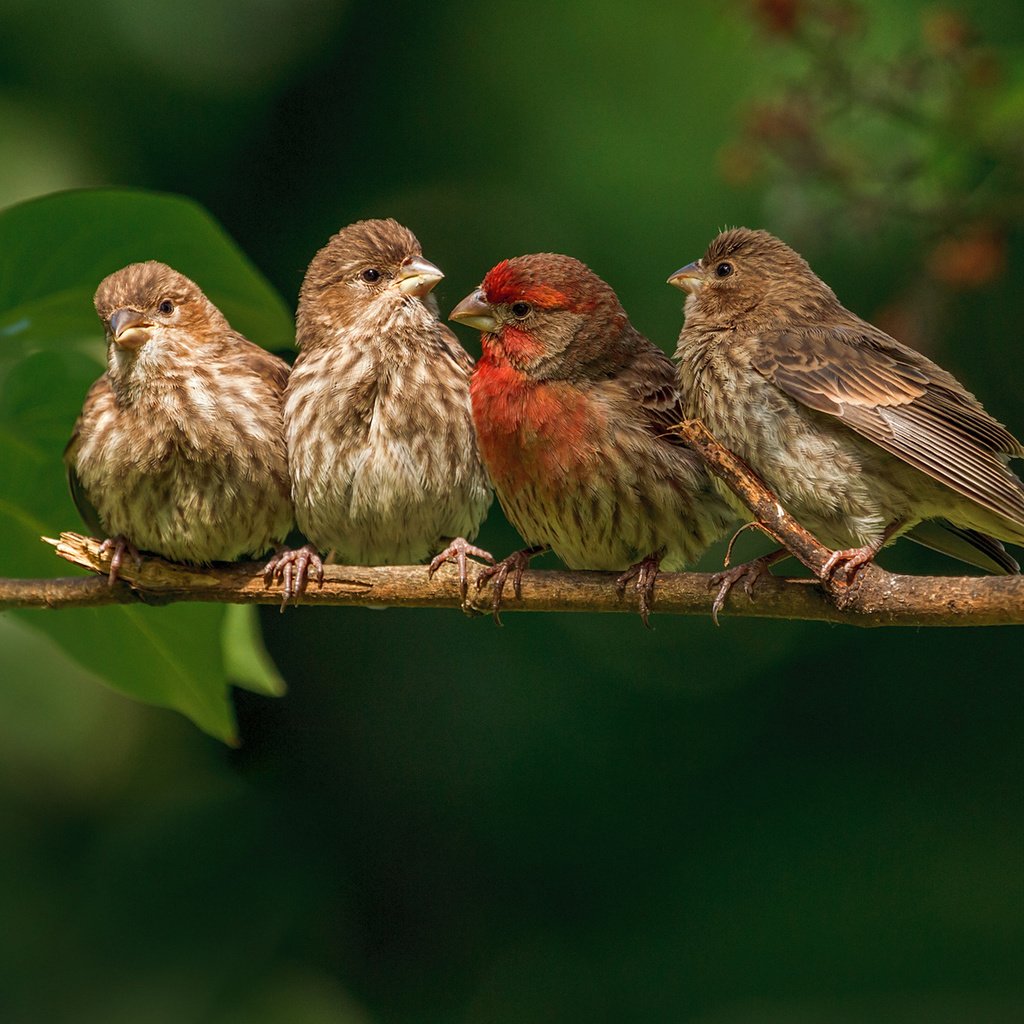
[[651, 380], [98, 393], [968, 546], [264, 364], [449, 344], [901, 401], [86, 509]]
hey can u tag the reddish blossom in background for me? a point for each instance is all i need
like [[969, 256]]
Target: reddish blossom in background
[[909, 132], [778, 16], [972, 259]]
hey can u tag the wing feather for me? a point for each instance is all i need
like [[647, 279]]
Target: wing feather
[[901, 401], [652, 383], [99, 393]]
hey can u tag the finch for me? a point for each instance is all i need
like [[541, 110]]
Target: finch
[[861, 438], [179, 448], [573, 410], [382, 453]]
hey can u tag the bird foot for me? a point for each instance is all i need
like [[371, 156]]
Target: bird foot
[[120, 546], [643, 575], [748, 573], [849, 561], [457, 552], [516, 564], [291, 568]]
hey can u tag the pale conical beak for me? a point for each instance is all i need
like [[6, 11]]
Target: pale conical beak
[[689, 278], [129, 328], [417, 276], [474, 311]]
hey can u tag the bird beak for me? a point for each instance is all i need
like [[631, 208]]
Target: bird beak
[[689, 278], [417, 277], [474, 311], [129, 328]]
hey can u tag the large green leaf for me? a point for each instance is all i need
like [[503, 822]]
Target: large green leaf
[[53, 253]]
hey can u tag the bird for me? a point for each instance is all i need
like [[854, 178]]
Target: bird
[[382, 453], [574, 410], [862, 438], [179, 449]]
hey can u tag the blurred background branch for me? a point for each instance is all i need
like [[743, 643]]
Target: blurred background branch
[[915, 140], [927, 131]]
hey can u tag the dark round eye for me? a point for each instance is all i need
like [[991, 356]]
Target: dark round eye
[[166, 307], [723, 269], [370, 274], [520, 310]]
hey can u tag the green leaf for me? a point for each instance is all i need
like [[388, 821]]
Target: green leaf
[[245, 657], [167, 656], [54, 251]]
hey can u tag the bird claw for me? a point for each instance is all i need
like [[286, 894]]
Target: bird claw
[[849, 560], [291, 568], [120, 546], [516, 564], [457, 552], [748, 573], [645, 573]]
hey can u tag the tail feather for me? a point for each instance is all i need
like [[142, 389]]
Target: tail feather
[[970, 546]]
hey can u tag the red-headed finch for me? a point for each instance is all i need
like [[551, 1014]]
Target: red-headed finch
[[574, 410], [179, 448], [383, 458], [859, 436]]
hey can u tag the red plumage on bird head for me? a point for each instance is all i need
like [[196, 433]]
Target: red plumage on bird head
[[545, 314], [549, 325]]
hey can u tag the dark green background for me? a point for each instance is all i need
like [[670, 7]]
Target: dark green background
[[570, 818]]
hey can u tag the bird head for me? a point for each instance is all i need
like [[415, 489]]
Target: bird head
[[151, 312], [548, 315], [747, 274], [364, 275]]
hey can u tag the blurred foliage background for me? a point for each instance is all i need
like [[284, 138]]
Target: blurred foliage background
[[569, 818]]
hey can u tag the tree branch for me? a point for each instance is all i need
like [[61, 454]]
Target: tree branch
[[767, 509], [882, 599], [877, 598]]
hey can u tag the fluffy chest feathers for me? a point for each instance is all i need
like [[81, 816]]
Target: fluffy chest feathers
[[382, 454], [531, 430], [191, 466], [839, 486], [579, 469]]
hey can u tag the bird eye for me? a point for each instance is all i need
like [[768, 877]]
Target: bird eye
[[370, 274], [166, 307], [520, 310], [723, 269]]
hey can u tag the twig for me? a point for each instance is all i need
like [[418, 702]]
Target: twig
[[883, 600], [754, 493], [884, 597], [63, 592]]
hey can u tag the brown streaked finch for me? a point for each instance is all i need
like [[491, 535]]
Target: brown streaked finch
[[382, 453], [573, 410], [179, 448], [862, 438]]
